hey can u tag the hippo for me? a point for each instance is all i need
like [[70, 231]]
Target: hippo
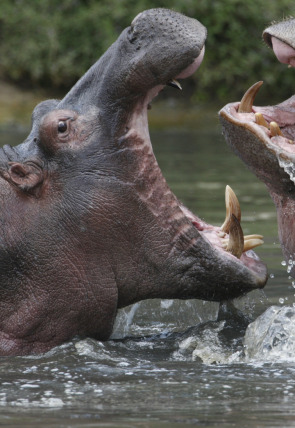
[[263, 137], [89, 224]]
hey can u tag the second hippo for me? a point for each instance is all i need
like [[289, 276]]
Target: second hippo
[[264, 138]]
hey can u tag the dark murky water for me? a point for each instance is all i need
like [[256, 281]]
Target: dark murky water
[[164, 375]]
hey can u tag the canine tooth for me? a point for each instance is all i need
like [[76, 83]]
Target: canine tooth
[[232, 207], [249, 97], [175, 84], [260, 120], [275, 129], [236, 238], [252, 243]]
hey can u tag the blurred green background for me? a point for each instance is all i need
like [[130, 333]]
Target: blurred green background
[[49, 44]]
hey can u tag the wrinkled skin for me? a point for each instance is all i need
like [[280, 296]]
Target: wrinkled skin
[[89, 224], [271, 157]]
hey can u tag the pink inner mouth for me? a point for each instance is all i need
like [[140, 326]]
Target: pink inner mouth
[[282, 114], [214, 235]]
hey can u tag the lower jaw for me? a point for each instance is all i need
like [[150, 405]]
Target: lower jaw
[[229, 237], [277, 123]]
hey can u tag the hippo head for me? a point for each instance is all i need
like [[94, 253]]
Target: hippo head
[[89, 224], [264, 138]]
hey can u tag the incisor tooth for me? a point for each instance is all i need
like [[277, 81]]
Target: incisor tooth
[[248, 237], [260, 120], [252, 243], [236, 238], [232, 207], [249, 97], [275, 129]]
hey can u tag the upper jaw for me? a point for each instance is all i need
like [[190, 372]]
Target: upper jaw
[[283, 30]]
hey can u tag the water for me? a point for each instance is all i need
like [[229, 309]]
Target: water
[[156, 372]]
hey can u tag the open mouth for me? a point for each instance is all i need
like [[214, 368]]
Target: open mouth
[[274, 125], [228, 238]]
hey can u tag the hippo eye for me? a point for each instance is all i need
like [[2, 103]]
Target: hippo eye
[[62, 126]]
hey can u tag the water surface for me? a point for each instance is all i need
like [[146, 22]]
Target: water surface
[[154, 372]]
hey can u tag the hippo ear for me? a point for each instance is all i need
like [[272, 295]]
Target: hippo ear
[[26, 176]]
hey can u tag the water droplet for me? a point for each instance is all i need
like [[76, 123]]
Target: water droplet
[[283, 263], [272, 276], [281, 300]]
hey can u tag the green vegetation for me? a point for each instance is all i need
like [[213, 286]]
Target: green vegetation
[[51, 43]]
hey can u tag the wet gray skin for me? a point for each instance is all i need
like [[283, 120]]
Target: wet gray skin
[[89, 224], [268, 151]]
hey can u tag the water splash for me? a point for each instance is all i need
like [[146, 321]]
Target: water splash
[[288, 167], [160, 316], [271, 337], [207, 345]]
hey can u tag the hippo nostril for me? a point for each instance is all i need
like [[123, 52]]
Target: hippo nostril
[[132, 35]]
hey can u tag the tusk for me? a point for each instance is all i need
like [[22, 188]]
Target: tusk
[[232, 207], [236, 243], [260, 120], [249, 97], [275, 129], [175, 84], [236, 238]]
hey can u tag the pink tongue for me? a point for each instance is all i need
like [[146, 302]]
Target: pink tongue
[[283, 52]]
